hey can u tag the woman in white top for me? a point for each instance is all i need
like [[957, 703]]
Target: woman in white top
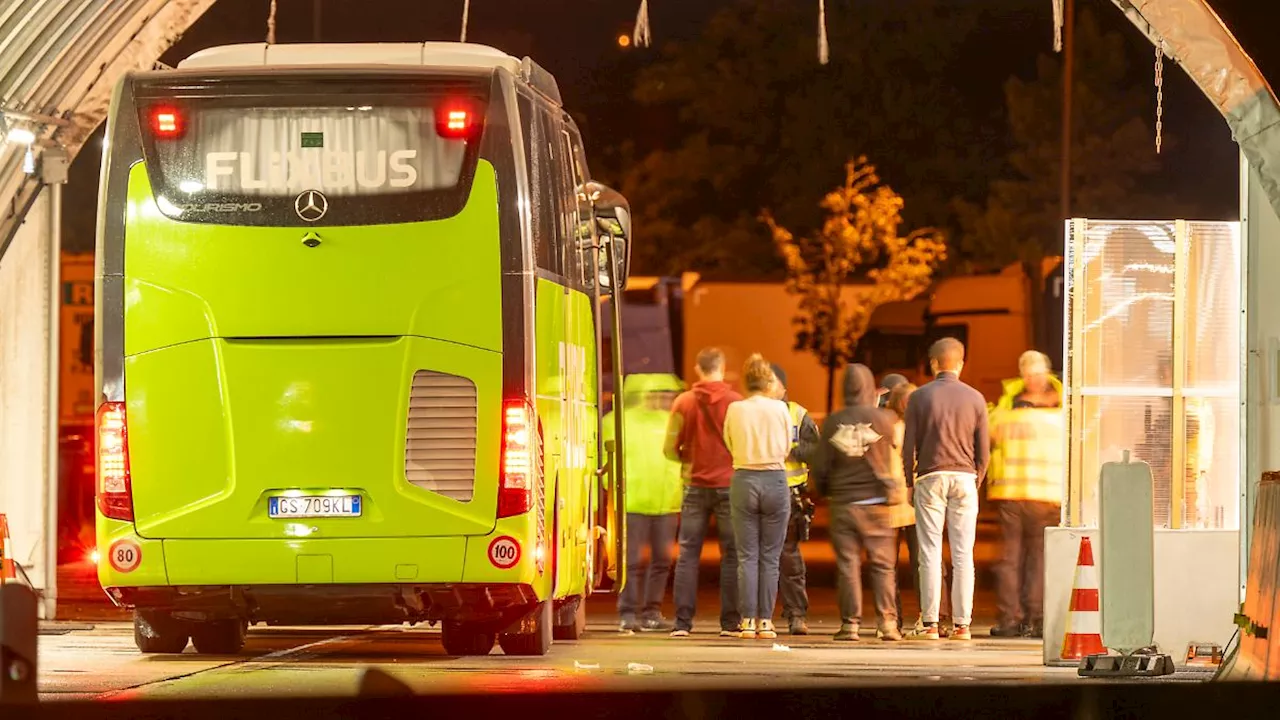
[[757, 431]]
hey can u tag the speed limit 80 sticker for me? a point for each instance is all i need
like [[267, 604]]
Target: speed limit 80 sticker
[[125, 556], [504, 552]]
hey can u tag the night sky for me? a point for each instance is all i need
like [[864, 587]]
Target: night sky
[[577, 41]]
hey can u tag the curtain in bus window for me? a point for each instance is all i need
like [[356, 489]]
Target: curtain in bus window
[[340, 151]]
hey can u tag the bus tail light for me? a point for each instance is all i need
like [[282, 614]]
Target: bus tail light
[[115, 491], [521, 458]]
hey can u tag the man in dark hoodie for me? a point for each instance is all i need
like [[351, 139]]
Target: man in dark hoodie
[[695, 437], [852, 468]]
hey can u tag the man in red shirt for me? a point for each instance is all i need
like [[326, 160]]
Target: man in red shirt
[[695, 437]]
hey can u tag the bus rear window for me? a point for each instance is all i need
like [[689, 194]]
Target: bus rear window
[[222, 156], [341, 151]]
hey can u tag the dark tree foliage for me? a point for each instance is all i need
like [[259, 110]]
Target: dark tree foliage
[[753, 121]]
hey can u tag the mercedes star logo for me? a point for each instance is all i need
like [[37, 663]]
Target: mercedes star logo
[[311, 205]]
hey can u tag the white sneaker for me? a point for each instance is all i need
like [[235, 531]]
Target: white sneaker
[[766, 630], [748, 631]]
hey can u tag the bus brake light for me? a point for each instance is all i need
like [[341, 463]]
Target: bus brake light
[[166, 122], [520, 459], [454, 122], [115, 492]]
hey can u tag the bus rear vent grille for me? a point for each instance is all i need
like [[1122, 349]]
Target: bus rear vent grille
[[440, 446]]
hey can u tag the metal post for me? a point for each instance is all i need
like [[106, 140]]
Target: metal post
[[1249, 356], [1076, 435], [53, 170], [1178, 426]]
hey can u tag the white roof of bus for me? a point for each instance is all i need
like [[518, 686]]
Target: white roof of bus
[[434, 54]]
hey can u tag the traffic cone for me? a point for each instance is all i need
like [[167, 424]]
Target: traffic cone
[[1084, 617], [7, 570]]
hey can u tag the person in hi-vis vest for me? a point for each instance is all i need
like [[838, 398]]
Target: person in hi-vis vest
[[804, 441]]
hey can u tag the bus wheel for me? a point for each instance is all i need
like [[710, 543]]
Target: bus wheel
[[466, 638], [219, 637], [158, 632], [538, 640], [571, 619]]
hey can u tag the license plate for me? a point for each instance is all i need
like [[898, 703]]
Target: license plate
[[305, 506]]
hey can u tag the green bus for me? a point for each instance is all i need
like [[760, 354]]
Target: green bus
[[348, 310]]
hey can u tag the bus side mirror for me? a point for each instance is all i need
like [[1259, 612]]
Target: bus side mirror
[[613, 223]]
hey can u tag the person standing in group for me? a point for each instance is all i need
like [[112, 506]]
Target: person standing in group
[[695, 438], [895, 390], [804, 441], [902, 516], [945, 450], [1027, 476], [887, 384], [758, 433], [654, 494], [853, 468]]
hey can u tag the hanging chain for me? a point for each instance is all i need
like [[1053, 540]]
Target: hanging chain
[[1159, 93]]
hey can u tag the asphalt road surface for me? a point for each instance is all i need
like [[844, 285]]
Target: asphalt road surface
[[89, 652]]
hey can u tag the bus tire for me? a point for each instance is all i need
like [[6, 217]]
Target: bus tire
[[159, 633], [219, 637], [571, 619], [537, 642], [461, 639]]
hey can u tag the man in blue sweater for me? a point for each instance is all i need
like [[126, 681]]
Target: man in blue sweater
[[945, 451]]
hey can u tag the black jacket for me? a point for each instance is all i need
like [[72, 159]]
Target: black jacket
[[852, 461], [807, 446]]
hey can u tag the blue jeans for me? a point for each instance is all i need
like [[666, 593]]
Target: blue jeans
[[647, 581], [700, 503], [761, 509]]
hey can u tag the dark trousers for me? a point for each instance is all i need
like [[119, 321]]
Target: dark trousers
[[858, 527], [795, 599], [700, 505], [761, 508], [908, 535], [647, 576], [1020, 580]]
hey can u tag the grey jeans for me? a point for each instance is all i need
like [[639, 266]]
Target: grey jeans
[[761, 505]]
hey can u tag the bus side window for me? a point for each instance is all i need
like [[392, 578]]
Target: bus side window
[[574, 261], [542, 185], [567, 205], [584, 257]]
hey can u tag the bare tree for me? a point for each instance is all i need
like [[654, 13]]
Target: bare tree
[[860, 238]]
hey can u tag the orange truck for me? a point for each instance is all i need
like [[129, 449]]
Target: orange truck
[[75, 409], [990, 313]]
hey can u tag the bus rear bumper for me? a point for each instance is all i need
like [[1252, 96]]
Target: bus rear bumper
[[355, 604]]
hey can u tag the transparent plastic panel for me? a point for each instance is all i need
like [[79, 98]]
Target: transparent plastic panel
[[1120, 369], [1112, 425]]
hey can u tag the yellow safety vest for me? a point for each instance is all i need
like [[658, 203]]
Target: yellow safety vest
[[1027, 461], [797, 473]]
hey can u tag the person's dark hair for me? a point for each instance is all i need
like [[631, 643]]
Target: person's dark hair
[[710, 360], [948, 353], [757, 374]]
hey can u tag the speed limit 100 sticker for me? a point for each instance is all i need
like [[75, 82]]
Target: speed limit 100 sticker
[[504, 552], [125, 556]]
